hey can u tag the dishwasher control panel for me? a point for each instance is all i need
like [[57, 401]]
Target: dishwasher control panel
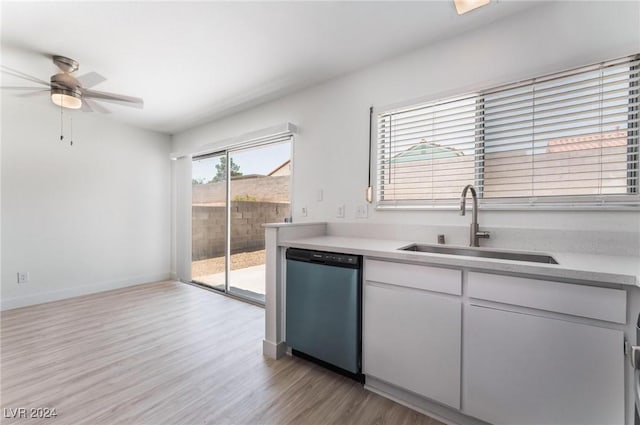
[[320, 257]]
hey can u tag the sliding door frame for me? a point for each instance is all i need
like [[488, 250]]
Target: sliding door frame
[[227, 203], [226, 153]]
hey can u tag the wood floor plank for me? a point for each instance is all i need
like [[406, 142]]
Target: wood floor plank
[[168, 353]]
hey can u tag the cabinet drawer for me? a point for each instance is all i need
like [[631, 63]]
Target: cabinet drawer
[[578, 300], [436, 279]]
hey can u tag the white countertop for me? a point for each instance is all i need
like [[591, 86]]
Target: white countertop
[[617, 270]]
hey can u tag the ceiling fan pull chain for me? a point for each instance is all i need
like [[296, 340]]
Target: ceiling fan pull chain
[[71, 126], [61, 123]]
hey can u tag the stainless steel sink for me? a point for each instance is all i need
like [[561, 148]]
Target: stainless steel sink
[[478, 252]]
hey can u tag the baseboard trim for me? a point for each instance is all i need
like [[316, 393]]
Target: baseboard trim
[[440, 412], [77, 291], [273, 350]]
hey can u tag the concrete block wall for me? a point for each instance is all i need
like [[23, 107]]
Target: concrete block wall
[[263, 189], [247, 233]]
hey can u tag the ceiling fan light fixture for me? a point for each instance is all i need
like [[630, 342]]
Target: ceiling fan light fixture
[[66, 98], [464, 6]]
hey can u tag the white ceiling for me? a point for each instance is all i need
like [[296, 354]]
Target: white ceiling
[[194, 62]]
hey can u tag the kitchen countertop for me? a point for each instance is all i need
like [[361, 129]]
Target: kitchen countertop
[[604, 269]]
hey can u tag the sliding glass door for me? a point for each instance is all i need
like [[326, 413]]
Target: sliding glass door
[[260, 178], [209, 221], [234, 193]]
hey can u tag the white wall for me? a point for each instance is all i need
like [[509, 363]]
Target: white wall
[[81, 218], [331, 150]]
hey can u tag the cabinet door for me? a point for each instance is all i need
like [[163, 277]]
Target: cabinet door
[[524, 369], [412, 339]]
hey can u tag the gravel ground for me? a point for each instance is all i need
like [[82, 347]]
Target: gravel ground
[[216, 265]]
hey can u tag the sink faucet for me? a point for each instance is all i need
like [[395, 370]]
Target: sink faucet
[[474, 234]]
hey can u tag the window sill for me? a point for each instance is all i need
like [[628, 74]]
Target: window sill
[[515, 207]]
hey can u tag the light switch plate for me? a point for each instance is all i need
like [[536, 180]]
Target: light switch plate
[[303, 211], [340, 211], [23, 277], [362, 211], [319, 195]]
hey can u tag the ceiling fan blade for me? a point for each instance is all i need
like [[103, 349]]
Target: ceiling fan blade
[[135, 102], [86, 107], [34, 93], [27, 91], [95, 106], [21, 88], [90, 79], [19, 74]]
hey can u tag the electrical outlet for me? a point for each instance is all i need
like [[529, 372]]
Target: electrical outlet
[[340, 211], [362, 211], [303, 211], [23, 277]]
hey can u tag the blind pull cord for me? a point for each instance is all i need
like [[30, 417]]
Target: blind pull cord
[[369, 194]]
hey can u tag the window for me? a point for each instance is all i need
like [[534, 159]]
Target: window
[[569, 138]]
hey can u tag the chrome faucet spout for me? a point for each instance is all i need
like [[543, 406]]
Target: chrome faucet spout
[[463, 199], [474, 234]]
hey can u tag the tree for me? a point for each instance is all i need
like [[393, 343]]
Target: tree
[[221, 170]]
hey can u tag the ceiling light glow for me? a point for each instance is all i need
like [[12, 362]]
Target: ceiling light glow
[[464, 6], [66, 98]]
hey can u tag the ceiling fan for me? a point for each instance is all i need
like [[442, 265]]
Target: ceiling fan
[[69, 91]]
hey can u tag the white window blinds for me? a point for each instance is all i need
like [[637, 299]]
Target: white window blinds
[[565, 138], [427, 153]]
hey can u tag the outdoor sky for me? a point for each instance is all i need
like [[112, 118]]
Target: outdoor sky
[[261, 160]]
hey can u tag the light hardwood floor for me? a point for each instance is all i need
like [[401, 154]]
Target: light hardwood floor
[[169, 353]]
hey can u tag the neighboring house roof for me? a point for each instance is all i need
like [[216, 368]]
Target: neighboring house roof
[[426, 151], [246, 176], [589, 141], [282, 170]]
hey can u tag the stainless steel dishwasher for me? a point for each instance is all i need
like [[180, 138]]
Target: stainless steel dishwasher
[[324, 309]]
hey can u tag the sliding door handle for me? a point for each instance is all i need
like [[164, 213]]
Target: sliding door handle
[[635, 356]]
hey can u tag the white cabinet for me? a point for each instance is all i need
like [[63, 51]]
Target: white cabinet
[[526, 369], [503, 349], [411, 339]]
